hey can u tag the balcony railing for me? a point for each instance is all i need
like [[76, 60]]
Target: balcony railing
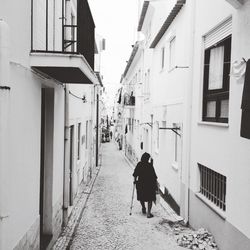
[[62, 41], [129, 100], [70, 44], [51, 32]]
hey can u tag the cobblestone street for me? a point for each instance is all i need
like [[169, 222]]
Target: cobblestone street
[[105, 221]]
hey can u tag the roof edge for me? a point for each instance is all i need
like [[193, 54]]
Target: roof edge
[[132, 56], [174, 12], [143, 14]]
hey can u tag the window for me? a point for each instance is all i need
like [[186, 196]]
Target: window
[[86, 143], [73, 33], [157, 136], [162, 58], [172, 53], [176, 145], [216, 82], [213, 186], [146, 86], [139, 76], [78, 140]]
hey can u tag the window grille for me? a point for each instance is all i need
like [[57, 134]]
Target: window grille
[[213, 186]]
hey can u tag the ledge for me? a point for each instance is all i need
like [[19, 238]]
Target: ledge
[[215, 124], [218, 211]]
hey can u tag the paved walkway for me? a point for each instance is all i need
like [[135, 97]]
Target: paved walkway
[[105, 222]]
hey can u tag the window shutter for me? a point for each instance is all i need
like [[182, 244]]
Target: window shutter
[[217, 34]]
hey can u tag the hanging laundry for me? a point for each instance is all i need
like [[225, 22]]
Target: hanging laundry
[[120, 96], [238, 69], [126, 129], [245, 105]]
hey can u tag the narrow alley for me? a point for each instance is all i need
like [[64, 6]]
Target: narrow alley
[[106, 223]]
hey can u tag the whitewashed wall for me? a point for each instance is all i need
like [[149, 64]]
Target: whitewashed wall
[[81, 113], [220, 147], [25, 130]]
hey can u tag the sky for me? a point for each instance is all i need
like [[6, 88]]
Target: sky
[[116, 21]]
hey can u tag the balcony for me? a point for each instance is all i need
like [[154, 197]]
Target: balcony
[[60, 48], [129, 101]]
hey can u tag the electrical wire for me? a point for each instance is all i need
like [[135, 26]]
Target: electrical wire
[[81, 98]]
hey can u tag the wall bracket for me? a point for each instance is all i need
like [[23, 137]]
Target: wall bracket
[[174, 129]]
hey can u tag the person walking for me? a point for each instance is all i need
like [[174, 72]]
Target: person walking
[[145, 180]]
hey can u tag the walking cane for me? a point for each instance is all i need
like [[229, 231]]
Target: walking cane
[[131, 206]]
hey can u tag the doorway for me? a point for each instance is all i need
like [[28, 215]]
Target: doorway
[[46, 167], [71, 165]]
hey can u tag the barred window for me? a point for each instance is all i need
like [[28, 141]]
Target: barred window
[[213, 186]]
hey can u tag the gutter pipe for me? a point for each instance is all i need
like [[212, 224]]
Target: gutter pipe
[[4, 132], [66, 157], [188, 113]]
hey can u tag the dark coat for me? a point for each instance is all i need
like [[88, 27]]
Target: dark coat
[[245, 105], [146, 184]]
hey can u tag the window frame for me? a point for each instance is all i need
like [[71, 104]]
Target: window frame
[[157, 141], [162, 58], [79, 141], [172, 53], [86, 131], [220, 94]]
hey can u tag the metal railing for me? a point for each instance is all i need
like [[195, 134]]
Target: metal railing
[[65, 34], [129, 100], [71, 43], [213, 186]]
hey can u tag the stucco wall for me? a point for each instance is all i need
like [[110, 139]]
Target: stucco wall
[[220, 147], [81, 112], [168, 96], [24, 155], [24, 161]]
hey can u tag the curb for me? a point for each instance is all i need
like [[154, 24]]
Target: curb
[[64, 241]]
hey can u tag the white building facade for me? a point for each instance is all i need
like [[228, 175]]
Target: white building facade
[[193, 60], [44, 128], [219, 174]]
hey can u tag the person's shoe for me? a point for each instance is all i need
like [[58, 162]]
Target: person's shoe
[[150, 215], [144, 210]]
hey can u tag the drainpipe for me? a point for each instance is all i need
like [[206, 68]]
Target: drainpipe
[[66, 157], [97, 126], [4, 132], [188, 113]]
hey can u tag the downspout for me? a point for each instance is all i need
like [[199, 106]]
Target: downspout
[[97, 126], [188, 113], [4, 132], [66, 157]]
